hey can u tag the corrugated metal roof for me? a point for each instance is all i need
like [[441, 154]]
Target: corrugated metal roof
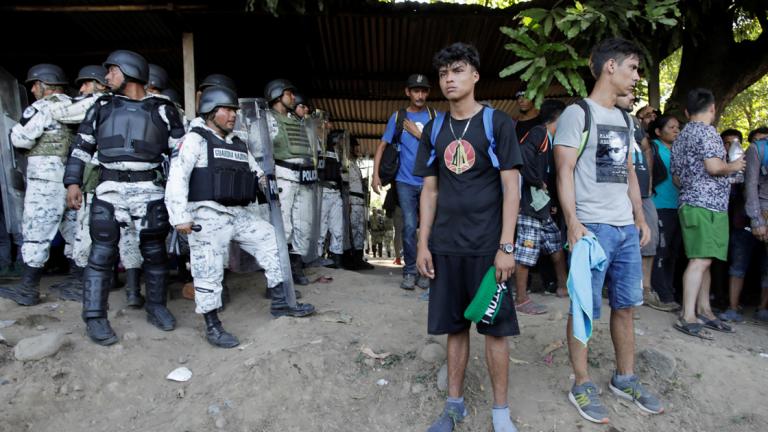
[[351, 60]]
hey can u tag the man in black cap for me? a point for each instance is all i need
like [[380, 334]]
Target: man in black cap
[[131, 130], [403, 133]]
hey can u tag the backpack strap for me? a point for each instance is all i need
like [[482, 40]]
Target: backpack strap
[[399, 119], [488, 126], [587, 126], [437, 124]]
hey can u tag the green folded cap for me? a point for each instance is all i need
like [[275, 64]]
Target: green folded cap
[[485, 293]]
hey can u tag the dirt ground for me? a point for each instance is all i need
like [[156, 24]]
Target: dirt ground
[[311, 374]]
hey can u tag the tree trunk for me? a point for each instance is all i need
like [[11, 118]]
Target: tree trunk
[[712, 59], [654, 87]]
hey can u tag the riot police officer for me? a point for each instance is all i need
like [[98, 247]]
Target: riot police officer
[[48, 143], [213, 184], [131, 130]]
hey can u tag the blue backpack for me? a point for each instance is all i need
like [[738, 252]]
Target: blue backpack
[[437, 124]]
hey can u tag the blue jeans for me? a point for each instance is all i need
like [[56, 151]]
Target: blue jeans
[[408, 197], [623, 273]]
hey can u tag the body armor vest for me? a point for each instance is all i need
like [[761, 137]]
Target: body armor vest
[[131, 131], [56, 137], [329, 168], [228, 178], [291, 140]]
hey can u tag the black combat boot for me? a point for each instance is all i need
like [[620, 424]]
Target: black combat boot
[[360, 263], [96, 286], [280, 307], [157, 297], [336, 258], [27, 292], [216, 334], [70, 288], [133, 297], [297, 271]]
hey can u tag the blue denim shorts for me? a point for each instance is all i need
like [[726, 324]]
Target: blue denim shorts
[[623, 274]]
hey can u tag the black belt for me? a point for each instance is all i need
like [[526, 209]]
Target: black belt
[[293, 166], [330, 185], [357, 194], [128, 176]]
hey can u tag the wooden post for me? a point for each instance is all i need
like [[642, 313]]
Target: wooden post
[[188, 49]]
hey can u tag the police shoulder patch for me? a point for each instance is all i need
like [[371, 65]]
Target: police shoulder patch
[[29, 112]]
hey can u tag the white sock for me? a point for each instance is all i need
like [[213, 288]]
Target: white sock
[[501, 420]]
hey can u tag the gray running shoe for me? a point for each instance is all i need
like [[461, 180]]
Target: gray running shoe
[[587, 401], [451, 415], [631, 389], [409, 282], [422, 282]]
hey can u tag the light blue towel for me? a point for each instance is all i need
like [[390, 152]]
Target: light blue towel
[[586, 256]]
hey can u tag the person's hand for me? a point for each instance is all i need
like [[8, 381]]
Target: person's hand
[[185, 228], [411, 127], [505, 266], [760, 233], [645, 232], [738, 165], [424, 262], [376, 183], [575, 232], [74, 197]]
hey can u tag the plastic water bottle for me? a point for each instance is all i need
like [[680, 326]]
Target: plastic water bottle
[[736, 153]]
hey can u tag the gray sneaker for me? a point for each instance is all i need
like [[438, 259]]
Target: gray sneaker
[[587, 401], [631, 389], [409, 282], [422, 282]]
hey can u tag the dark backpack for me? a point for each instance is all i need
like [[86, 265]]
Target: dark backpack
[[390, 158], [659, 173]]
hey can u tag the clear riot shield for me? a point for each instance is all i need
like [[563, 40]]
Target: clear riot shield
[[253, 128], [315, 127], [12, 178]]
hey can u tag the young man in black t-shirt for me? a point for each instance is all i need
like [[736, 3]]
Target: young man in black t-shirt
[[468, 208]]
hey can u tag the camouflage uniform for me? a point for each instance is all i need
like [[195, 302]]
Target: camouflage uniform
[[220, 225], [357, 209], [130, 255], [45, 201]]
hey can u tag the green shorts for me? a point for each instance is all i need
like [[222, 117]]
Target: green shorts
[[705, 232]]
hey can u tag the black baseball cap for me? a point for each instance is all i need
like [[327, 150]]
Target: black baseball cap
[[417, 81]]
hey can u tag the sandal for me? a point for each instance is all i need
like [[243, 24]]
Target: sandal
[[529, 307], [716, 324], [693, 329]]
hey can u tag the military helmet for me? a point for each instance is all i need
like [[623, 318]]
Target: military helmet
[[46, 73], [300, 100], [158, 77], [218, 80], [92, 73], [275, 88], [172, 94], [132, 64], [214, 97]]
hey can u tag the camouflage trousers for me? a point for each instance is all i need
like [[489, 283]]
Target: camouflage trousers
[[331, 221], [357, 212], [296, 202], [68, 230], [44, 205], [209, 250], [130, 255]]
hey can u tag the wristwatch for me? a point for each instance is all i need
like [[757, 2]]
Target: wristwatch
[[507, 248]]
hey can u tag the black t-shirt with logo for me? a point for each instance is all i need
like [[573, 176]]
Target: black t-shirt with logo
[[469, 201]]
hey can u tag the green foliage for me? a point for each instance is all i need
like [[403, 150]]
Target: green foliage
[[748, 110], [546, 39], [668, 70]]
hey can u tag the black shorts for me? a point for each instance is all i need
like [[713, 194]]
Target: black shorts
[[456, 281]]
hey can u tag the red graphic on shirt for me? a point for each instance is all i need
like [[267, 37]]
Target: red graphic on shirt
[[459, 156]]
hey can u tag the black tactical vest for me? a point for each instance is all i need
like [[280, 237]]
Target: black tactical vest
[[227, 179], [132, 131], [329, 168]]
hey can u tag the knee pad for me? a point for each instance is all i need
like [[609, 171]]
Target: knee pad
[[103, 256], [104, 227], [157, 222], [153, 250]]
